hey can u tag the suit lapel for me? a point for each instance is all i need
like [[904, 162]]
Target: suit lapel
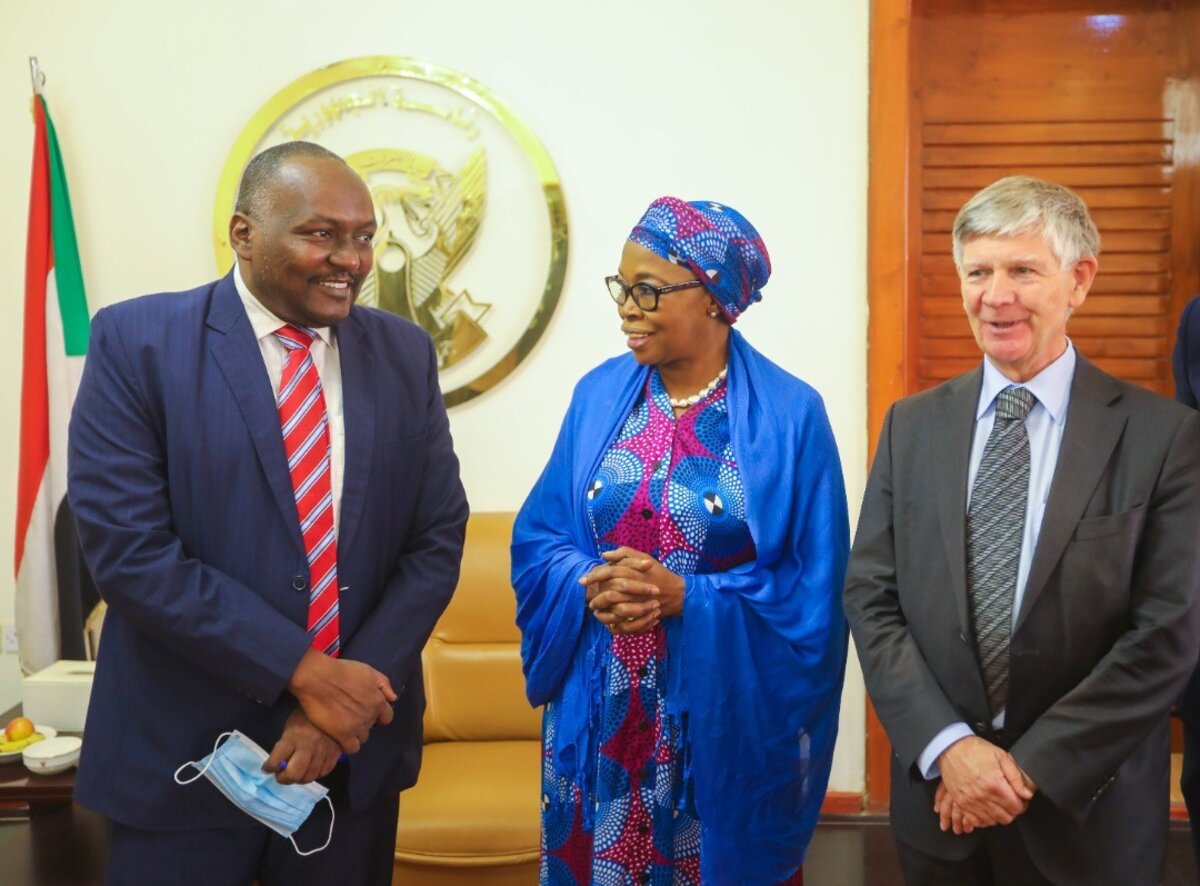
[[358, 412], [951, 456], [1092, 431], [238, 355]]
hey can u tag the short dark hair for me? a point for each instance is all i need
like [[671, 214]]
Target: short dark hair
[[254, 192]]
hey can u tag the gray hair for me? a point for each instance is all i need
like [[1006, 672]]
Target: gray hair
[[1019, 204], [262, 172]]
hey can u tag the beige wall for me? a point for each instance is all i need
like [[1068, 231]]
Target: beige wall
[[761, 104]]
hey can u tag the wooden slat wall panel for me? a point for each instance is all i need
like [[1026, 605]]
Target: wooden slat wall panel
[[1142, 153], [1122, 169], [976, 177], [1096, 198], [1106, 219], [1058, 132]]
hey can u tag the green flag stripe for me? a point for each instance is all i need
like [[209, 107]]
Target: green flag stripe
[[72, 299]]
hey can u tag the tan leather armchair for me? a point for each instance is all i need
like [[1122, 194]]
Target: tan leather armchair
[[473, 815]]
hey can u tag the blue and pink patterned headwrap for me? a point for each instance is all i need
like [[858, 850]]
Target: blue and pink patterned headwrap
[[715, 242]]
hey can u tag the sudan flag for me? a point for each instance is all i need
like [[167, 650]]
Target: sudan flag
[[55, 341]]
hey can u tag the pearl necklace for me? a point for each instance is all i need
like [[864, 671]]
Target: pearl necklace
[[685, 402]]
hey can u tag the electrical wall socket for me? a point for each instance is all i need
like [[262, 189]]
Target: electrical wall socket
[[8, 638]]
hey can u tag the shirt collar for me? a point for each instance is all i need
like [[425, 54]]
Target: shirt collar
[[1051, 386], [262, 320]]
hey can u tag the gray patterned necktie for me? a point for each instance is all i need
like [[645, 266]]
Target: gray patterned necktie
[[995, 527]]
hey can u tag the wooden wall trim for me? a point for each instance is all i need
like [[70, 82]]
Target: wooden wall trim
[[842, 803], [889, 130], [889, 137]]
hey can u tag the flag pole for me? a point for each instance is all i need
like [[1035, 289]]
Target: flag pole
[[36, 77]]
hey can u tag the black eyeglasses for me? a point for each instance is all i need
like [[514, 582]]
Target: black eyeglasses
[[644, 295]]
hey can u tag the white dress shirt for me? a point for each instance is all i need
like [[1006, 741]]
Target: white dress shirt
[[329, 369], [1045, 424]]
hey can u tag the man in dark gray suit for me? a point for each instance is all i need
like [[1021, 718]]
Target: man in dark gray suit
[[1023, 584]]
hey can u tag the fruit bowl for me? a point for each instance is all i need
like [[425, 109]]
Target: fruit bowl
[[14, 756], [53, 755]]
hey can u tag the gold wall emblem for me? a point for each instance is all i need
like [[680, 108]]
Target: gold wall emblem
[[472, 241]]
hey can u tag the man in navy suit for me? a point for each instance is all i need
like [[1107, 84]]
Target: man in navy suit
[[190, 523], [1185, 361]]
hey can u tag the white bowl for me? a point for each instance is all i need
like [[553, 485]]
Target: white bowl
[[53, 755]]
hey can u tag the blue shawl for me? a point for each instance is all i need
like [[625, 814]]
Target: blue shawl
[[757, 659]]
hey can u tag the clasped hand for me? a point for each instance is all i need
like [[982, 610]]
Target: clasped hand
[[343, 699], [631, 591], [303, 753], [981, 786], [339, 702]]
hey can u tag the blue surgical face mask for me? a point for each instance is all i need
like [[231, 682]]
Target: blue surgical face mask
[[235, 768]]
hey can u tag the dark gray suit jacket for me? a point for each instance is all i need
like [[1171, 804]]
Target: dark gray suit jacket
[[1107, 633]]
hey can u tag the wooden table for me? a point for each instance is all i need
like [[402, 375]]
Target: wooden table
[[44, 837], [39, 792], [65, 845]]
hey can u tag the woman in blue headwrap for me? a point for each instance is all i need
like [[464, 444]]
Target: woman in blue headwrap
[[678, 570]]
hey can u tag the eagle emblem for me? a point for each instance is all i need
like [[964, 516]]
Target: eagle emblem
[[429, 217]]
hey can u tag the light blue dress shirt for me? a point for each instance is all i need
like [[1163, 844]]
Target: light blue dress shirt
[[1045, 424]]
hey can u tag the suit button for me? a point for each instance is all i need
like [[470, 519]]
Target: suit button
[[1104, 787], [979, 726], [299, 583], [962, 637]]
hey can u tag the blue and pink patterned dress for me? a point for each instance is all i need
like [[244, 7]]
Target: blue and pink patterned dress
[[668, 487]]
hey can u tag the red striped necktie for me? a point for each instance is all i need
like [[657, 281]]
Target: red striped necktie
[[306, 442]]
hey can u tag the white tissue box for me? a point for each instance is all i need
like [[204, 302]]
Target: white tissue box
[[58, 695]]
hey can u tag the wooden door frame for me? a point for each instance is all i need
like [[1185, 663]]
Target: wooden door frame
[[888, 271]]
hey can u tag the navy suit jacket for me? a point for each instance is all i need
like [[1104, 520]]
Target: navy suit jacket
[[179, 483], [1185, 362]]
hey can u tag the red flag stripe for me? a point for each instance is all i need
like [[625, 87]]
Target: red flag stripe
[[35, 393]]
